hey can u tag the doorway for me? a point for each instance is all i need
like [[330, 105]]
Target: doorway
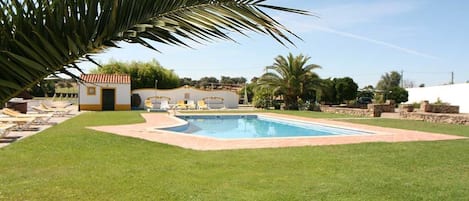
[[108, 98]]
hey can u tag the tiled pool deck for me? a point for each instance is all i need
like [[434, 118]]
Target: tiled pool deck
[[188, 141]]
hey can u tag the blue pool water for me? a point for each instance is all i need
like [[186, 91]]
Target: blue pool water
[[253, 126]]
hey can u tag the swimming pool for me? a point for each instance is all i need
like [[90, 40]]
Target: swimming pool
[[254, 126]]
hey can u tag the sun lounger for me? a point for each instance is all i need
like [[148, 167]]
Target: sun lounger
[[164, 105], [180, 105], [5, 128], [157, 103], [59, 108], [201, 105], [22, 124], [38, 118], [56, 104], [148, 105], [55, 111], [190, 105]]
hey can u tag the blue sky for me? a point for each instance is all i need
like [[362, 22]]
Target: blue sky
[[427, 40]]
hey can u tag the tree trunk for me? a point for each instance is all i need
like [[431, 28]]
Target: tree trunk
[[291, 102]]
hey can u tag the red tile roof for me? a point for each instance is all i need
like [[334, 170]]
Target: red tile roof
[[106, 78]]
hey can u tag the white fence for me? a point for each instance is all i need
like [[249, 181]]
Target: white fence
[[456, 94]]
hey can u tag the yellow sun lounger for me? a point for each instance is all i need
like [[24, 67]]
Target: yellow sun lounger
[[38, 118], [148, 104], [201, 105], [180, 105]]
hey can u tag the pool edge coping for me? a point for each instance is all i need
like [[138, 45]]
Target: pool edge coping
[[202, 143], [364, 132]]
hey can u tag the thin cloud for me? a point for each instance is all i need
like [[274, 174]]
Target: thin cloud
[[370, 40], [352, 14], [342, 16]]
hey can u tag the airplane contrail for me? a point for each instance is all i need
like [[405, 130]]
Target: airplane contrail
[[350, 35]]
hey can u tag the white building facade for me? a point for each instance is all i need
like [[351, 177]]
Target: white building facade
[[455, 94], [186, 93], [101, 92]]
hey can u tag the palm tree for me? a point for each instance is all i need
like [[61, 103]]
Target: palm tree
[[43, 37], [389, 80], [291, 78]]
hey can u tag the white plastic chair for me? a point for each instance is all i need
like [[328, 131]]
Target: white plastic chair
[[164, 105]]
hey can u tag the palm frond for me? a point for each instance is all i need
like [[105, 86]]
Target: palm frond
[[291, 77], [41, 37]]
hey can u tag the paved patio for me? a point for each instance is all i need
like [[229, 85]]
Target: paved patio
[[144, 131], [14, 136]]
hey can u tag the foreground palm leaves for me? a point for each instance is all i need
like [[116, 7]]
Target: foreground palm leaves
[[43, 37]]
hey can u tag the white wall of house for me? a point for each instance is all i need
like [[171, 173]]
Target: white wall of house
[[188, 93], [122, 92], [456, 94]]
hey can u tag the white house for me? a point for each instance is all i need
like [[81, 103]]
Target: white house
[[229, 99], [104, 92], [455, 94]]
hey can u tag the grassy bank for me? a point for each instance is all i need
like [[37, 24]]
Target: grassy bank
[[451, 129]]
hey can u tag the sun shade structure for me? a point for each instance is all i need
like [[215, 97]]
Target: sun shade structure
[[214, 102], [100, 92], [39, 38]]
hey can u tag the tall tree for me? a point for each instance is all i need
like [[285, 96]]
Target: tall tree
[[186, 81], [337, 90], [44, 88], [366, 92], [39, 38], [239, 80], [226, 80], [142, 74], [208, 82], [291, 78], [232, 80], [389, 85], [398, 94], [327, 93], [346, 89], [389, 80]]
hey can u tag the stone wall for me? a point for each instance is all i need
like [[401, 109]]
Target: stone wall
[[388, 107], [425, 106], [373, 110], [406, 107], [345, 110], [460, 119]]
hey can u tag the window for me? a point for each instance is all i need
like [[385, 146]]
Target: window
[[91, 91]]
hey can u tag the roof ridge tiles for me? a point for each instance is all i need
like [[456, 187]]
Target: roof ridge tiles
[[106, 78]]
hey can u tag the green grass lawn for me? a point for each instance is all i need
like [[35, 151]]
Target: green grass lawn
[[415, 125], [70, 162]]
